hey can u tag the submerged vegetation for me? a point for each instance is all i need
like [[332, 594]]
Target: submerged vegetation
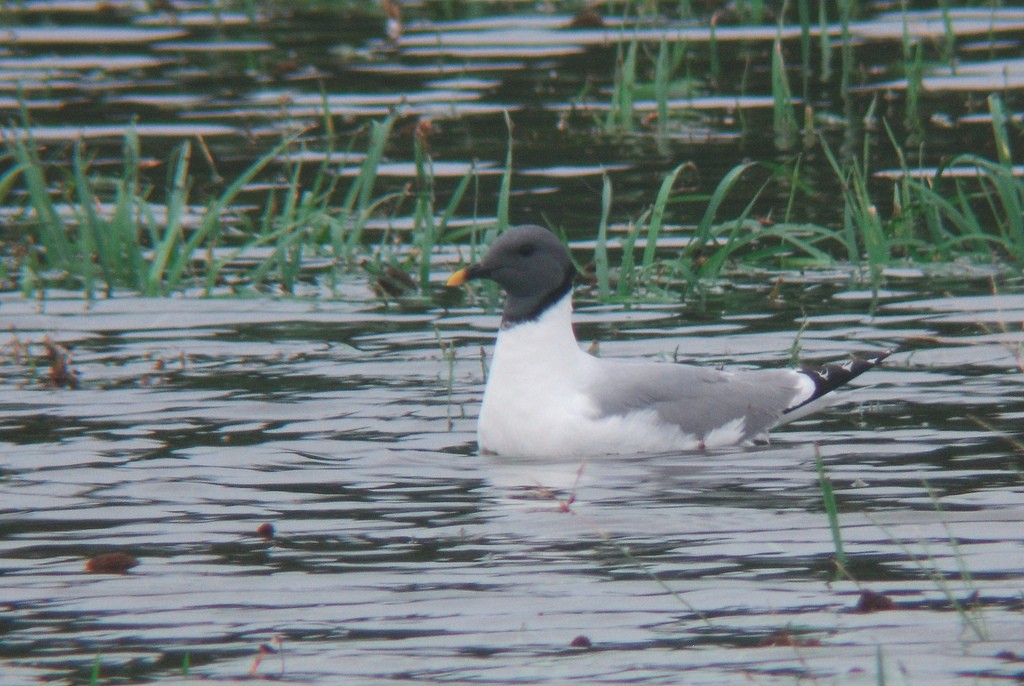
[[103, 233], [322, 200]]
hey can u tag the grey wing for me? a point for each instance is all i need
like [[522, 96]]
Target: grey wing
[[698, 400]]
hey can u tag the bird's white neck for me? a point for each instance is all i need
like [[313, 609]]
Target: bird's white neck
[[549, 338], [533, 382]]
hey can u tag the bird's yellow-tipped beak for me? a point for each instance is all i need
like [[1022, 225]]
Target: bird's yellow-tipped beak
[[458, 278]]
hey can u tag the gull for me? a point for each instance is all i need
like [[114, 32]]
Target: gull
[[545, 396]]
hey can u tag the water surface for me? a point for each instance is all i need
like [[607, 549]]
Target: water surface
[[400, 554], [347, 423]]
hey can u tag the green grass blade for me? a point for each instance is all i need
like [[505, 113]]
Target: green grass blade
[[424, 230], [210, 224], [94, 235], [52, 232], [8, 179], [359, 202], [456, 198], [172, 235], [824, 43], [657, 216], [125, 235], [505, 192], [829, 500], [624, 87], [712, 267], [626, 275], [784, 121], [1000, 120], [662, 76], [601, 269], [704, 228], [804, 14]]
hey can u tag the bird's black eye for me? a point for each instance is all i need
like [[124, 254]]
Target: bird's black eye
[[526, 249]]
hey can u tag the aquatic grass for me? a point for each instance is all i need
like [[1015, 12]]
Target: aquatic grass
[[703, 234], [448, 355], [121, 247], [750, 12], [949, 35], [505, 190], [863, 232], [912, 119], [121, 244], [971, 616], [601, 268], [359, 203], [131, 250], [953, 224], [165, 242], [784, 124], [427, 234], [391, 263], [796, 347], [51, 233], [793, 180], [208, 231], [109, 240], [662, 77], [880, 678], [428, 229], [982, 217], [627, 272], [1016, 444], [824, 43], [847, 64], [94, 247], [621, 117], [980, 214], [656, 216], [969, 611], [803, 10], [713, 244], [502, 221], [1000, 129], [714, 58], [828, 499]]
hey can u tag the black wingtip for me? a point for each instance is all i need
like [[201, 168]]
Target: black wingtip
[[831, 376]]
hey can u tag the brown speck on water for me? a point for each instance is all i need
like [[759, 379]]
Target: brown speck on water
[[111, 563], [265, 531], [581, 641], [870, 601]]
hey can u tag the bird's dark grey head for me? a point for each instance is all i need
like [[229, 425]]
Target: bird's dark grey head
[[531, 265]]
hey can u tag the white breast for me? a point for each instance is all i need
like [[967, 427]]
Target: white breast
[[536, 404]]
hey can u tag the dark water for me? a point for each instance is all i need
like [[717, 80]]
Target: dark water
[[233, 82], [401, 555]]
